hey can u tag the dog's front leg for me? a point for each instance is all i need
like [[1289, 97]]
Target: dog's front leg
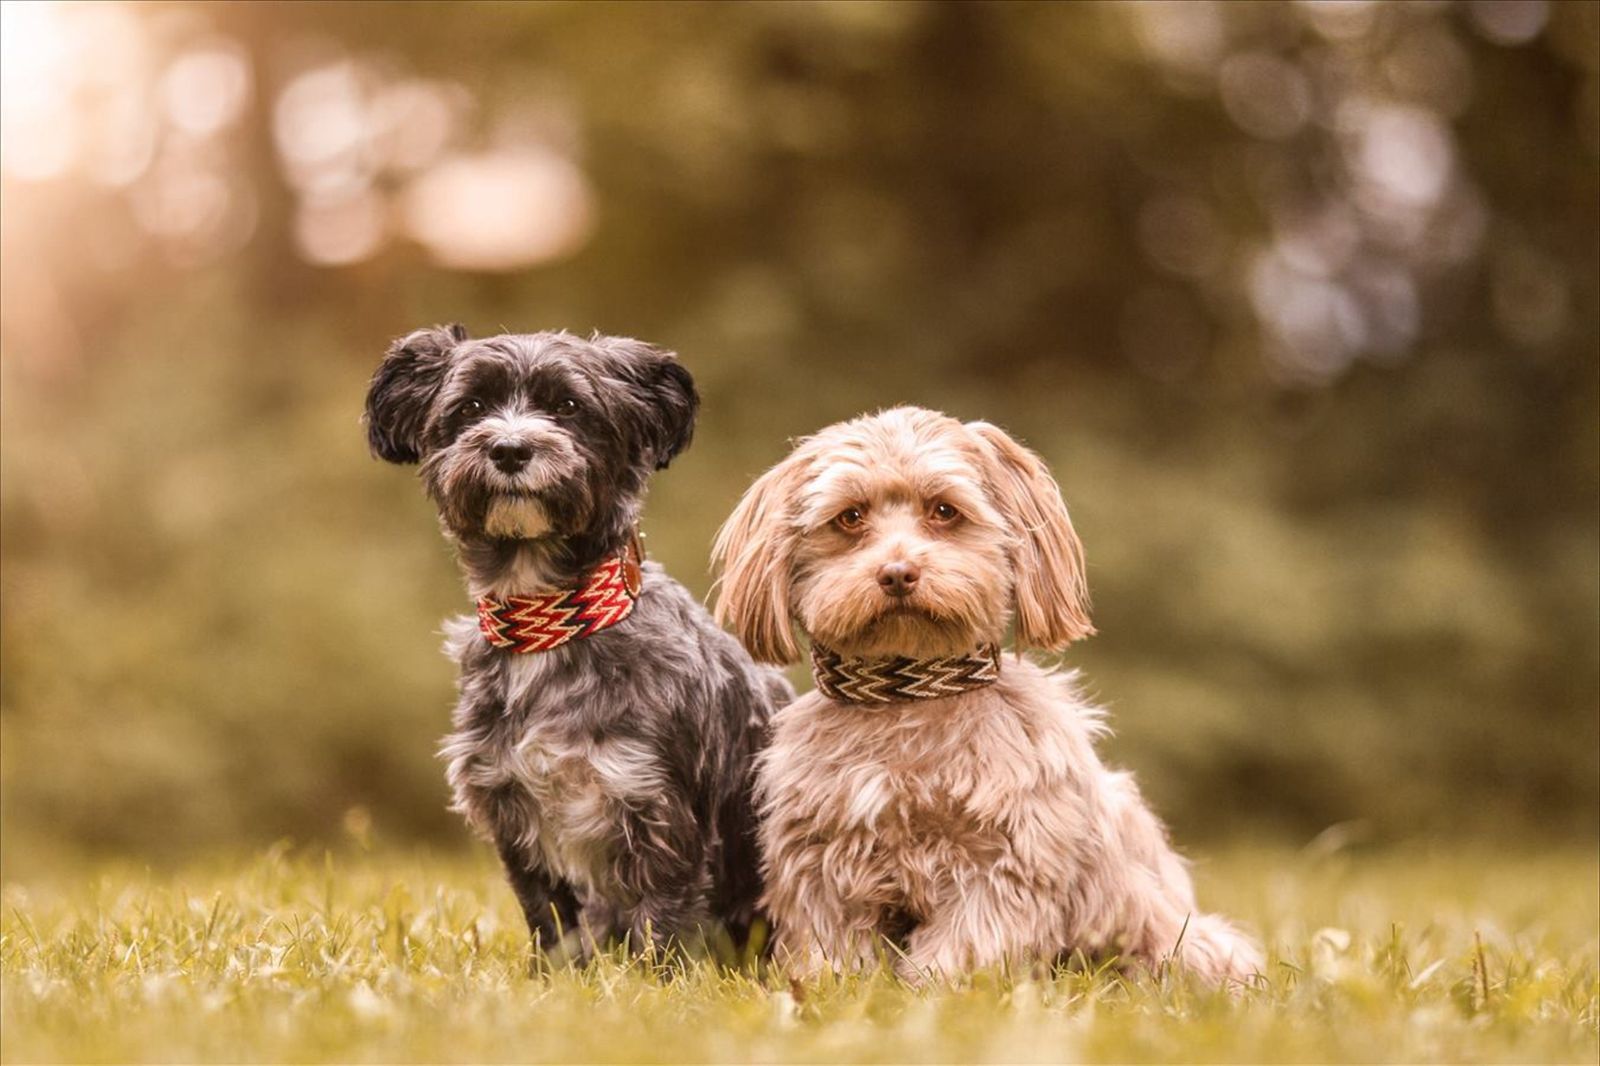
[[835, 905], [662, 871], [548, 904], [844, 941], [982, 918], [598, 924]]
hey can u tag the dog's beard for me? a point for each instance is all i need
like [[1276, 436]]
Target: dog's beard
[[913, 631], [516, 517], [894, 628]]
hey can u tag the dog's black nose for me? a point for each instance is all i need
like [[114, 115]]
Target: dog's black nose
[[510, 455], [898, 579]]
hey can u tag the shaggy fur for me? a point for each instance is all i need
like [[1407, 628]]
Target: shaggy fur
[[613, 773], [972, 829]]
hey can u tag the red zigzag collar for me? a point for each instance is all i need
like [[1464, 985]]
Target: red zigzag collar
[[539, 623]]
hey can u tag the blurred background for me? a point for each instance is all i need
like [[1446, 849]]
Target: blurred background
[[1298, 299]]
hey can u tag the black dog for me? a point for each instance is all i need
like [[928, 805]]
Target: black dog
[[606, 729]]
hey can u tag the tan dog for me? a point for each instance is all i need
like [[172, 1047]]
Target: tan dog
[[930, 792]]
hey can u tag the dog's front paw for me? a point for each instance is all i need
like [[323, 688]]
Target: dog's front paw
[[553, 951]]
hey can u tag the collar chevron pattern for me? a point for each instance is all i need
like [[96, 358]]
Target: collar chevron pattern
[[539, 623], [901, 678]]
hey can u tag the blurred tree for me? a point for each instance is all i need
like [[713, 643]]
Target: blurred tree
[[1300, 300]]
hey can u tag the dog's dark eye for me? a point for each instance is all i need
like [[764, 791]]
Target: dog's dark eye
[[469, 408], [943, 514], [569, 406], [850, 519]]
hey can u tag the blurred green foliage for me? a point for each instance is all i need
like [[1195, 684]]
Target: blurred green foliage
[[1300, 302]]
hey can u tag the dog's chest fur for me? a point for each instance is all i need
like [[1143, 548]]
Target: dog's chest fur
[[941, 786], [522, 756]]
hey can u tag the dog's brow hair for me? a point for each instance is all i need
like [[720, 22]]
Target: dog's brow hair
[[561, 375], [480, 368], [842, 484], [845, 482], [521, 374], [968, 498], [938, 473]]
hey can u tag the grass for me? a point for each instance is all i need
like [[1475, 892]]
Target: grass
[[1398, 956]]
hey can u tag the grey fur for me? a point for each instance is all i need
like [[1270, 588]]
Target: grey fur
[[613, 773]]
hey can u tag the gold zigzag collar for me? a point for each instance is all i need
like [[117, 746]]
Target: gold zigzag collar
[[902, 678]]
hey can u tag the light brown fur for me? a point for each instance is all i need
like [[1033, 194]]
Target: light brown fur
[[984, 822]]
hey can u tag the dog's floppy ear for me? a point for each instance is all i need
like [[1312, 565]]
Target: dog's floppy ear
[[403, 388], [667, 389], [1052, 588], [677, 402], [753, 549]]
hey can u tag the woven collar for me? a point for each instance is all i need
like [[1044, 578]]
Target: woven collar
[[539, 623], [901, 678]]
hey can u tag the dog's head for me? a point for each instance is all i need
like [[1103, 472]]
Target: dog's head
[[902, 533], [529, 436]]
